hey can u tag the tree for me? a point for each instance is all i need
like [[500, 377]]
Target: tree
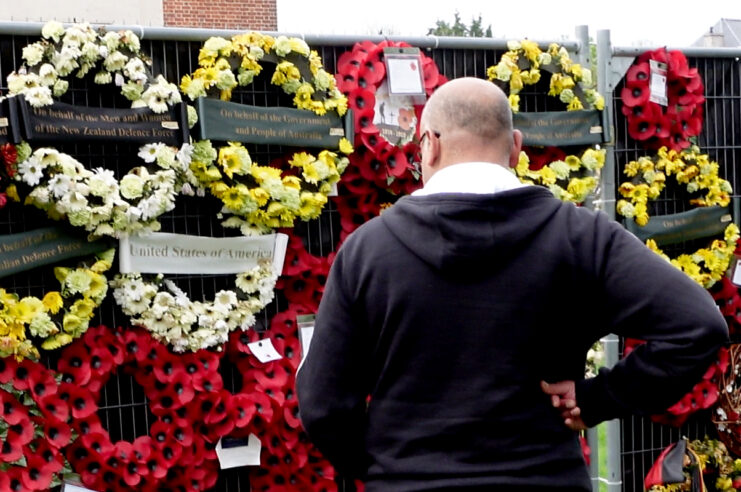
[[458, 28]]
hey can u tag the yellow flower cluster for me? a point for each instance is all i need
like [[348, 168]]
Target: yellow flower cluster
[[706, 265], [263, 198], [714, 461], [570, 180], [523, 63], [226, 64], [689, 168], [57, 318]]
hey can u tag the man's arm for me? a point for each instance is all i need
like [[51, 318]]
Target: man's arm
[[331, 383], [645, 297]]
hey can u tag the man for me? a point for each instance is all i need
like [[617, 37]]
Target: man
[[442, 317]]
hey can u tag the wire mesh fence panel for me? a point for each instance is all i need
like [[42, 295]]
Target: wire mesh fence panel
[[642, 439]]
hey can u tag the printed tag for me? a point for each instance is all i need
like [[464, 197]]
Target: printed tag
[[233, 452], [264, 350], [658, 83]]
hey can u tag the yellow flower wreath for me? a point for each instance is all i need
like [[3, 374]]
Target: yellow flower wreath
[[700, 175]]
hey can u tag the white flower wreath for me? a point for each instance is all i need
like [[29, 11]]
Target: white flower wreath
[[61, 185], [174, 319], [96, 200], [79, 49]]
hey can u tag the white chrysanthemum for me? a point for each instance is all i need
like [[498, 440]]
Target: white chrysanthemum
[[217, 44], [135, 69], [31, 171], [47, 74], [38, 96], [59, 185], [115, 61], [90, 52], [132, 186], [52, 30], [40, 195], [226, 299], [165, 156], [64, 63], [103, 77], [60, 87], [148, 152], [112, 40], [73, 201], [103, 182], [33, 54], [185, 155], [131, 41]]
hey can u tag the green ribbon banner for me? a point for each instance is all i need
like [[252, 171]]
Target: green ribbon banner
[[684, 226], [28, 250], [228, 121], [559, 128]]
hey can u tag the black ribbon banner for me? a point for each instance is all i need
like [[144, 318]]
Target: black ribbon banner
[[9, 128], [684, 226], [560, 127], [28, 250], [228, 121], [66, 122]]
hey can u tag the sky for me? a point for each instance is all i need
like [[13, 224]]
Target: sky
[[673, 23]]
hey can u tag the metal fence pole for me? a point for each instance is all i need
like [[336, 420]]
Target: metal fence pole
[[605, 85]]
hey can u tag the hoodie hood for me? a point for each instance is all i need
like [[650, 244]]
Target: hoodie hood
[[462, 231]]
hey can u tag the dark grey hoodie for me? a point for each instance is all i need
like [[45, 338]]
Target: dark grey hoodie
[[449, 309]]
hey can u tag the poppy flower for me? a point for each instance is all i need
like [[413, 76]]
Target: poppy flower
[[207, 381], [80, 400], [303, 290], [349, 62], [90, 470], [101, 360], [53, 459], [12, 479], [642, 127], [57, 433], [638, 73], [182, 432], [276, 376], [132, 472], [284, 323], [10, 451], [74, 365], [136, 345], [99, 442], [141, 449], [52, 405], [35, 475], [7, 369], [396, 162], [167, 369], [23, 372], [88, 425], [371, 72], [363, 119], [169, 451], [290, 413], [264, 412], [11, 410], [41, 384], [297, 259], [635, 94], [20, 433], [361, 99], [156, 466], [375, 143], [208, 360]]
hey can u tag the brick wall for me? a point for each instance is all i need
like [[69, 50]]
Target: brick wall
[[258, 15]]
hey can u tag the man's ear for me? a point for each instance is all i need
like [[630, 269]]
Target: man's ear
[[514, 156]]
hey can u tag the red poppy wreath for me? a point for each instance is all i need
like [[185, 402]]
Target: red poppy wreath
[[702, 396], [192, 411], [33, 427], [671, 125], [384, 140], [289, 461]]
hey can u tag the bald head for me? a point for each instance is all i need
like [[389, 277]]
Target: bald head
[[474, 120]]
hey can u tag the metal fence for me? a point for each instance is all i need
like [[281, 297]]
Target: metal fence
[[123, 406]]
